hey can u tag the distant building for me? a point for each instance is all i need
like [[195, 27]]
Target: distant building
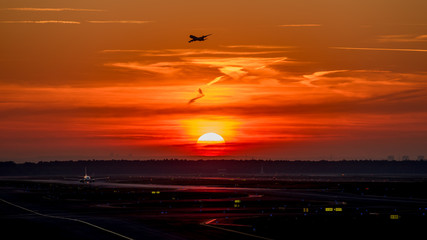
[[390, 157], [420, 158], [405, 158]]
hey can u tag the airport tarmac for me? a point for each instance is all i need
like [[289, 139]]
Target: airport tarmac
[[193, 208]]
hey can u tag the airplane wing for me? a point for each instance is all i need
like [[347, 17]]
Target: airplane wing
[[193, 37], [100, 178], [74, 179], [206, 35]]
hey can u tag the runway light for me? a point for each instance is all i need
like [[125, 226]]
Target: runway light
[[333, 209], [305, 210], [237, 201], [394, 216]]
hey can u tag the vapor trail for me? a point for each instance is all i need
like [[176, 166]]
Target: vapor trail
[[218, 79]]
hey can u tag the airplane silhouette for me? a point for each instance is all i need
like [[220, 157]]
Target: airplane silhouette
[[86, 178], [194, 38], [200, 96]]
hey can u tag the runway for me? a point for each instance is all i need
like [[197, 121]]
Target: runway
[[188, 210], [67, 219]]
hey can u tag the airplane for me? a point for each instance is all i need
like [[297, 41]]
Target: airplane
[[88, 179], [194, 38]]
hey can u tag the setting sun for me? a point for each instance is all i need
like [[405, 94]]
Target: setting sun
[[210, 138]]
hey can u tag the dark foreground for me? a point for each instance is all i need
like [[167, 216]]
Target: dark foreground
[[214, 208]]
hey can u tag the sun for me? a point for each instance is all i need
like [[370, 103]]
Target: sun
[[210, 138]]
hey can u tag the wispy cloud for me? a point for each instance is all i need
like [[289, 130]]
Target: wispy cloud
[[309, 79], [119, 21], [188, 52], [403, 38], [77, 22], [54, 9], [42, 21], [235, 68], [382, 49], [245, 62], [301, 25], [159, 67], [122, 50], [259, 46]]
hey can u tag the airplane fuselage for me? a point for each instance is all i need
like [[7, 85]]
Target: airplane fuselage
[[194, 38], [87, 179]]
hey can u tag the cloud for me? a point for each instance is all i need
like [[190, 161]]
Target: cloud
[[76, 22], [54, 9], [234, 72], [382, 49], [309, 79], [159, 67], [359, 84], [119, 21], [187, 52], [239, 67], [241, 62], [403, 38], [43, 22], [235, 68], [122, 50], [188, 65], [301, 25], [259, 46]]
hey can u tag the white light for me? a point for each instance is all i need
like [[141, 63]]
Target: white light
[[210, 138]]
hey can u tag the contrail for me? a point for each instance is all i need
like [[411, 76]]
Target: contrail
[[200, 96], [218, 79]]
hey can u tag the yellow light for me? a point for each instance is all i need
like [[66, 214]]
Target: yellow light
[[236, 201], [225, 127], [329, 209], [338, 209], [394, 217], [305, 209]]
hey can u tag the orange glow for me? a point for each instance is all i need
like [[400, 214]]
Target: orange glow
[[225, 127], [276, 79]]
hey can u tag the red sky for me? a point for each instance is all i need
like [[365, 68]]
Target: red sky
[[281, 79]]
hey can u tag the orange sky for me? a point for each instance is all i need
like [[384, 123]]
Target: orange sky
[[281, 79]]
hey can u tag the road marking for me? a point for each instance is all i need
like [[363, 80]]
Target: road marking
[[65, 218], [206, 224]]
